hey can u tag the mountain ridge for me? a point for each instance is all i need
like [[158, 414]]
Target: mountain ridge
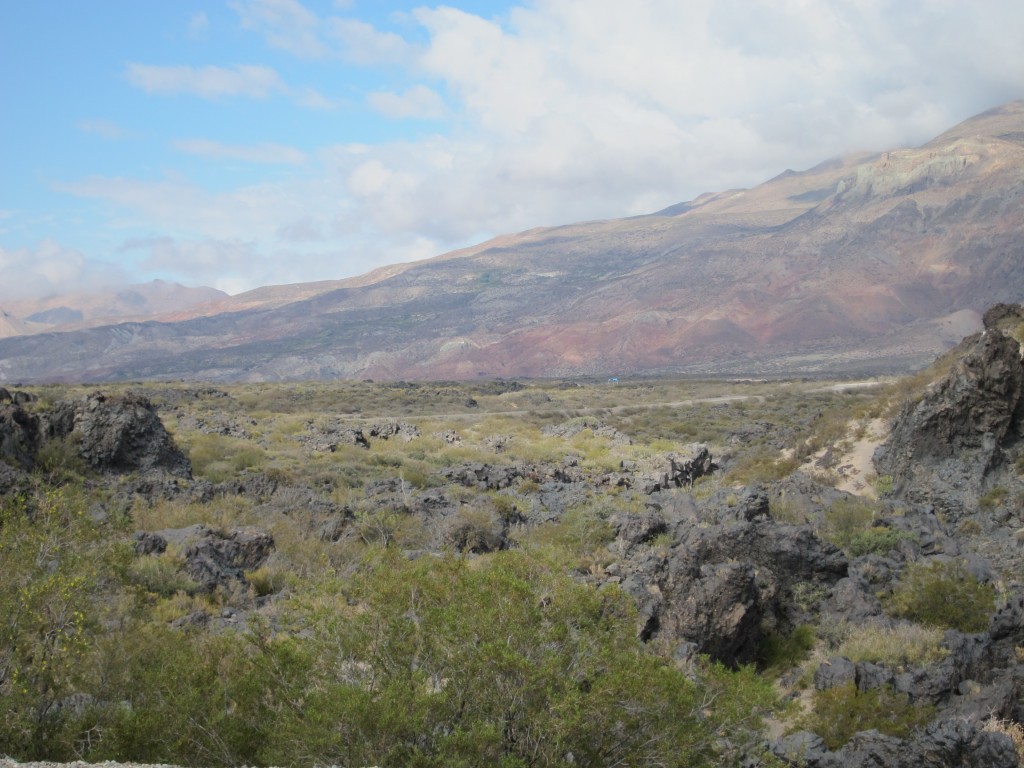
[[875, 261]]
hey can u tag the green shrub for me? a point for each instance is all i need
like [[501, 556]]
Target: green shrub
[[838, 713], [785, 651], [943, 594], [883, 484], [161, 575], [877, 540], [762, 467], [994, 497], [267, 581], [499, 661], [60, 460], [901, 645], [846, 519], [60, 567]]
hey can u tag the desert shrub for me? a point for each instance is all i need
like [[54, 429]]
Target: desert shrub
[[902, 645], [784, 651], [60, 567], [807, 595], [876, 540], [840, 712], [994, 497], [185, 698], [218, 458], [1008, 728], [943, 594], [60, 461], [161, 575], [580, 531], [883, 484], [500, 661], [762, 467], [267, 581], [846, 519], [475, 529]]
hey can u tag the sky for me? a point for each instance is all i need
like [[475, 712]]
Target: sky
[[241, 143]]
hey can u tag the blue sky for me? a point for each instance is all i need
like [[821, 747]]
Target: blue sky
[[240, 143]]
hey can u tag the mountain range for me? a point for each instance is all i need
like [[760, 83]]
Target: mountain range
[[868, 263]]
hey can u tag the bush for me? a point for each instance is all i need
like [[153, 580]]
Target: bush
[[993, 498], [874, 541], [60, 461], [901, 645], [782, 652], [847, 519], [499, 661], [943, 594], [59, 566], [161, 575], [838, 713]]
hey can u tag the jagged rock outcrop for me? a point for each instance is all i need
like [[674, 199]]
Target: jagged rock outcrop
[[19, 436], [569, 429], [948, 742], [387, 429], [210, 558], [942, 448], [724, 585], [116, 434]]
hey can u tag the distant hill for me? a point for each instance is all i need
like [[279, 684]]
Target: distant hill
[[866, 263], [95, 308]]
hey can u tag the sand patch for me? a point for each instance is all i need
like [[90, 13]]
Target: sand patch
[[849, 464]]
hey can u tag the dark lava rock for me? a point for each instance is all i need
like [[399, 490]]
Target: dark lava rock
[[723, 587], [942, 447], [19, 436], [215, 558], [116, 434]]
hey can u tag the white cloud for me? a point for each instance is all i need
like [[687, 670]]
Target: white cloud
[[198, 26], [254, 81], [253, 153], [417, 102], [312, 99], [563, 110], [50, 268], [362, 43], [286, 24], [106, 129]]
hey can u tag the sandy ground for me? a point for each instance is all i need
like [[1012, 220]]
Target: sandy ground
[[853, 468]]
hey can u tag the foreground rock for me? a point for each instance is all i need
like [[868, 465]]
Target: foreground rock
[[116, 434], [944, 447]]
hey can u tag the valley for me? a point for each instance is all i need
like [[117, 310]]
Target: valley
[[695, 572]]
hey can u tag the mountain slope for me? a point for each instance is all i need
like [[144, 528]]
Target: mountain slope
[[869, 262], [103, 307]]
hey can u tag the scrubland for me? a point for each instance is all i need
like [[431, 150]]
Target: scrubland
[[404, 617]]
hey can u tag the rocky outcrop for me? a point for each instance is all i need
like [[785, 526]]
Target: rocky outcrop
[[674, 470], [19, 436], [943, 743], [210, 558], [116, 434], [943, 447], [724, 585]]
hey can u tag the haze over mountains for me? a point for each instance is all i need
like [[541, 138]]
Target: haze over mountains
[[867, 263]]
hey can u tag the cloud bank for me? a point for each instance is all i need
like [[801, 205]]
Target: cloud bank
[[556, 111]]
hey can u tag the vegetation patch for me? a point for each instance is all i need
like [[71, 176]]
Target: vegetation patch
[[943, 594], [840, 712]]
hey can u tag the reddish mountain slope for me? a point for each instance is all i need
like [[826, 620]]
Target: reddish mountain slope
[[870, 262]]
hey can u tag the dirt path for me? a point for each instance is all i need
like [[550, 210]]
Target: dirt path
[[689, 403]]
